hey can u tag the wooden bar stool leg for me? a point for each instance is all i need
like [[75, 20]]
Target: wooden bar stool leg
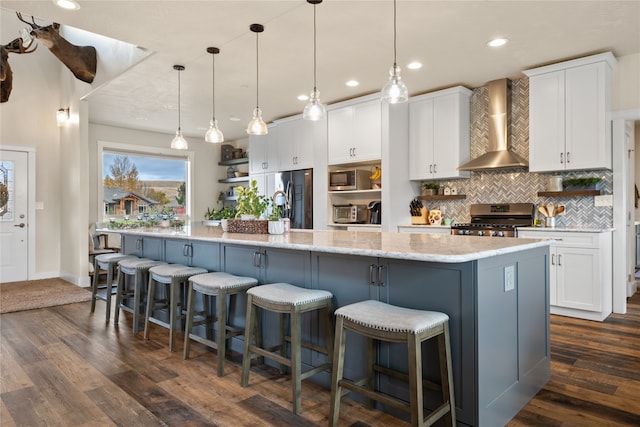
[[119, 292], [94, 284], [336, 372], [108, 293], [174, 292], [415, 379], [250, 331], [137, 299], [296, 357], [370, 361], [191, 293], [222, 330], [151, 291], [282, 339]]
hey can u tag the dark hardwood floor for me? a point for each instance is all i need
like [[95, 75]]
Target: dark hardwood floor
[[61, 366]]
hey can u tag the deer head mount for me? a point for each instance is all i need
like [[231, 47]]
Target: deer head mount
[[81, 60], [6, 75]]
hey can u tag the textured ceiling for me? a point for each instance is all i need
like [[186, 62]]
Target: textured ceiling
[[355, 41]]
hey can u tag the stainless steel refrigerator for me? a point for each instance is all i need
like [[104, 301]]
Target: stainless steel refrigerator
[[295, 197]]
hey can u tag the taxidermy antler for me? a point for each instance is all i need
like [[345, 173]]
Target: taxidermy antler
[[81, 60], [6, 75]]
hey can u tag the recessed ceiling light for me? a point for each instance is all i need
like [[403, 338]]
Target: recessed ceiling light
[[497, 42], [414, 65], [303, 97], [352, 83], [234, 119], [67, 4]]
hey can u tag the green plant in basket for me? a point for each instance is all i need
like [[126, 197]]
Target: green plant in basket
[[249, 202]]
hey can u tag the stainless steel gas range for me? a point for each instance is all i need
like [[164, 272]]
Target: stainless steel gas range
[[496, 220]]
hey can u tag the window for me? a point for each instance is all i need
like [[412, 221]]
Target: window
[[139, 180]]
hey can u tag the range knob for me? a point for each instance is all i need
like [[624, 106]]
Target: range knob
[[460, 232], [480, 233], [467, 232], [500, 233]]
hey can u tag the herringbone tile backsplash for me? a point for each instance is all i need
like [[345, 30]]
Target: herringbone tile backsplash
[[517, 185]]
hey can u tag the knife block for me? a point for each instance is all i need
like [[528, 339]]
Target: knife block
[[423, 219]]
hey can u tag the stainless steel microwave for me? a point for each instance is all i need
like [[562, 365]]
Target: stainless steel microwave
[[349, 179], [350, 214]]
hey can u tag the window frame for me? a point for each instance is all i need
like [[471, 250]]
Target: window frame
[[144, 150]]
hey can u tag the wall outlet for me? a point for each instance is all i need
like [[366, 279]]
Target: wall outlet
[[603, 200], [509, 278]]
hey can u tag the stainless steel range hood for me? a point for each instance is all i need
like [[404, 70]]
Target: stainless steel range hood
[[498, 155]]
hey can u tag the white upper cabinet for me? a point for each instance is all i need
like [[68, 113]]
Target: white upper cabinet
[[569, 106], [263, 151], [355, 133], [296, 140], [439, 134]]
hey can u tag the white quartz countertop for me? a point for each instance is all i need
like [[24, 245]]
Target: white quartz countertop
[[409, 246], [568, 229]]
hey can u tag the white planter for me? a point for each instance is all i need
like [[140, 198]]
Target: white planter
[[225, 224], [276, 227]]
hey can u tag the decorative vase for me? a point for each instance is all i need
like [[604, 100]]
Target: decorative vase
[[276, 227], [428, 192]]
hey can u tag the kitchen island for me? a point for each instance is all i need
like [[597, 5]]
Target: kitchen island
[[495, 291]]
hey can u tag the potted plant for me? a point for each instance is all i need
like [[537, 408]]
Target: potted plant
[[429, 189], [588, 183], [215, 217], [250, 204], [250, 207], [276, 225]]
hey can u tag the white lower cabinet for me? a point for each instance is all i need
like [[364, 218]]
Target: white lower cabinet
[[580, 272]]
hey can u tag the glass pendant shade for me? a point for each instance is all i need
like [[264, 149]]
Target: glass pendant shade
[[314, 110], [257, 126], [178, 142], [395, 91], [214, 134]]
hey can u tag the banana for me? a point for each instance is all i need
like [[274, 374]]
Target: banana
[[377, 173]]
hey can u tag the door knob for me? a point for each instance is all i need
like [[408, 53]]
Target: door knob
[[21, 225]]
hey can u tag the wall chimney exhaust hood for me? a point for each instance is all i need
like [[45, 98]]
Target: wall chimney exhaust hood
[[498, 155]]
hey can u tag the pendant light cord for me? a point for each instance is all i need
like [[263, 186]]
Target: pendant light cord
[[179, 118], [213, 85], [394, 37], [257, 81], [314, 48]]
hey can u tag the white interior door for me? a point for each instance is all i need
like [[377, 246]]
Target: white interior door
[[14, 226]]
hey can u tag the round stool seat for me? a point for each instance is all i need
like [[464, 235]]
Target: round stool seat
[[286, 294], [212, 283], [105, 259], [166, 272], [131, 265], [385, 317]]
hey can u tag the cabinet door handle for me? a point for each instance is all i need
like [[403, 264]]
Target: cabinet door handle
[[256, 259], [187, 250], [561, 158], [138, 244], [568, 157], [354, 151], [371, 279], [430, 168], [559, 260], [435, 168], [553, 259], [381, 275]]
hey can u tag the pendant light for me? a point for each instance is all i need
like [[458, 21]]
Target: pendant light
[[257, 126], [314, 110], [178, 142], [214, 134], [394, 91]]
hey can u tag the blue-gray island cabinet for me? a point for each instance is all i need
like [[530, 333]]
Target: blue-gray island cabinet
[[495, 291]]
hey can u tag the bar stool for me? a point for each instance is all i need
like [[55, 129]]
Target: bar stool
[[379, 321], [219, 285], [285, 299], [138, 268], [107, 262], [171, 275]]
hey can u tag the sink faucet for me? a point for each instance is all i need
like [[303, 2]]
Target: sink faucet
[[283, 194]]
